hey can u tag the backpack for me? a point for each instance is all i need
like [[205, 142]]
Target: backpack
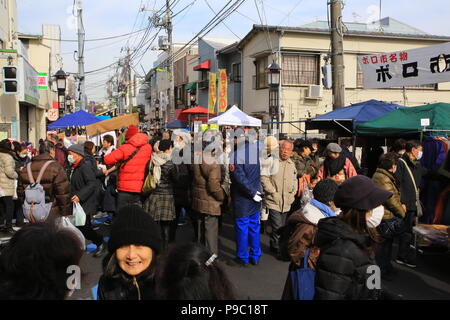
[[34, 207]]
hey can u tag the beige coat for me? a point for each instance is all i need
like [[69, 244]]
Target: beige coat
[[8, 174], [280, 186]]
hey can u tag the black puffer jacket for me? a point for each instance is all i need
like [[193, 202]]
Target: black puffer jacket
[[126, 288], [341, 272]]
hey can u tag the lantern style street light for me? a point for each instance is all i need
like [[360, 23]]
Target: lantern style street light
[[274, 83], [61, 77]]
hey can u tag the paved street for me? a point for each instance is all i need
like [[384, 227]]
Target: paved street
[[430, 280]]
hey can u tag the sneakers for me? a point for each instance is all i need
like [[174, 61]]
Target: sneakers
[[405, 262], [99, 251], [236, 262], [100, 215]]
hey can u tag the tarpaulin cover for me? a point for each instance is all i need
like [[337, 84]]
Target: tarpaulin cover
[[113, 124], [80, 118], [407, 121], [356, 113], [177, 124]]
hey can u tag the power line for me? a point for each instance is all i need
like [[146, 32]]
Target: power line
[[269, 42], [99, 39], [208, 27], [207, 3], [290, 12]]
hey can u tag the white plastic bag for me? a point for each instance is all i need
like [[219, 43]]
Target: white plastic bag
[[64, 222], [79, 214], [15, 197]]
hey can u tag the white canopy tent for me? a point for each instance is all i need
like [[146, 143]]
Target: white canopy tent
[[235, 117]]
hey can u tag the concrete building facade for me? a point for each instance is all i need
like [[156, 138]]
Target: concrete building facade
[[301, 51]]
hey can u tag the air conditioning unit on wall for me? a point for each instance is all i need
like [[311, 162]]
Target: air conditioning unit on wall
[[314, 92]]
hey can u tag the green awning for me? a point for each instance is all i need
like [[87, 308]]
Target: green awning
[[191, 86], [408, 121]]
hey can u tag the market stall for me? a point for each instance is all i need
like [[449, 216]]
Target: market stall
[[235, 117], [79, 119], [346, 119], [177, 124], [407, 121]]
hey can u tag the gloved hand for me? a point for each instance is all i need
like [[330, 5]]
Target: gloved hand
[[257, 197]]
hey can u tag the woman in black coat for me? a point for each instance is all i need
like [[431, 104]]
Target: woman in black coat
[[129, 269], [83, 189], [347, 243]]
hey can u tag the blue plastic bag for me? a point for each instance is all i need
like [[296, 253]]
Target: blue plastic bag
[[303, 281]]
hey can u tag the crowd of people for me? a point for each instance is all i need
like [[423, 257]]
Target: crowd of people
[[321, 213]]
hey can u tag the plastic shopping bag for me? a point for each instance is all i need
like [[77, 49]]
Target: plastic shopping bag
[[64, 222], [80, 216]]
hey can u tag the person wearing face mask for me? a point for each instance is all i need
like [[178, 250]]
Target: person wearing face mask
[[410, 181], [130, 265], [55, 182], [394, 212], [83, 185], [347, 242]]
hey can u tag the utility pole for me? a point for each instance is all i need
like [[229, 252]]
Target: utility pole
[[82, 86], [130, 98], [337, 54], [171, 106]]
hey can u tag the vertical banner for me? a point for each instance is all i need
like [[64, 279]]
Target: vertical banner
[[212, 94], [223, 90]]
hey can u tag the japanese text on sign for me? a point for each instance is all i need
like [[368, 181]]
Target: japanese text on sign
[[425, 65], [223, 90], [212, 94]]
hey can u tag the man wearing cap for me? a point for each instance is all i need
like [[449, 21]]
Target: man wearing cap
[[132, 158], [336, 165], [83, 190], [280, 187]]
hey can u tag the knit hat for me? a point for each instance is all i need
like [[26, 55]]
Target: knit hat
[[131, 131], [134, 226], [361, 193], [77, 148], [334, 147]]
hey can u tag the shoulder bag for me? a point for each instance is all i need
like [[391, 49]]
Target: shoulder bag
[[418, 203]]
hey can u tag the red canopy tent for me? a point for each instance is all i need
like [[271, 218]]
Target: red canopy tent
[[195, 111]]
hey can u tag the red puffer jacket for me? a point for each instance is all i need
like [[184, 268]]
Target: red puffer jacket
[[132, 175]]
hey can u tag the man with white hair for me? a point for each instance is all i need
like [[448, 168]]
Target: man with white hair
[[280, 187]]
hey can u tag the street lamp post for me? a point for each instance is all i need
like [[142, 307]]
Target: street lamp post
[[193, 98], [274, 83], [61, 77]]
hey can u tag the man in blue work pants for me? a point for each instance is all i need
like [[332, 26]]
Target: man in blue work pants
[[246, 195]]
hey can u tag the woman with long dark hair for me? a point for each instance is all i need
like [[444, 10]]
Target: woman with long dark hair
[[191, 272], [347, 242], [129, 267]]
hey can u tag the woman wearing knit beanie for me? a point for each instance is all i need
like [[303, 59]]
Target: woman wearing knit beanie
[[129, 268]]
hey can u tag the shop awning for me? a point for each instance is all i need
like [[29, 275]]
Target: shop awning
[[203, 66], [191, 86]]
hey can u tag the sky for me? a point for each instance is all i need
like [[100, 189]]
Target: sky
[[107, 18]]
